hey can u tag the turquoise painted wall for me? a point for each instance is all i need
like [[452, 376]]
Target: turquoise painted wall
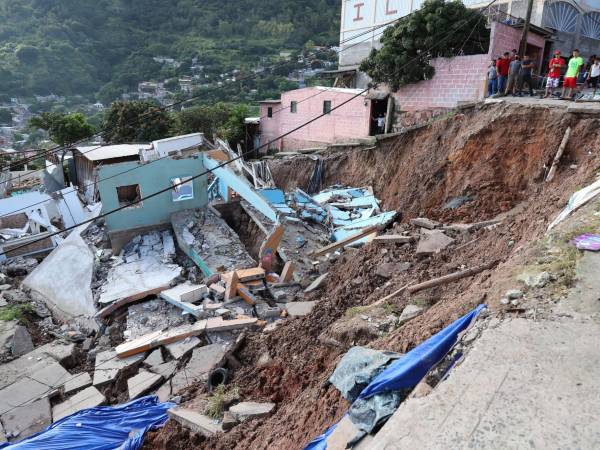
[[151, 177]]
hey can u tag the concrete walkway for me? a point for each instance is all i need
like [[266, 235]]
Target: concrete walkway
[[524, 384]]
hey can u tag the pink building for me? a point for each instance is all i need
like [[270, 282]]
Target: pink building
[[348, 123]]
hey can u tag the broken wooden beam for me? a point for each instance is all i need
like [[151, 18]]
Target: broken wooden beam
[[158, 338], [558, 155], [272, 242], [393, 239], [231, 288], [112, 307], [219, 324], [287, 273], [334, 246]]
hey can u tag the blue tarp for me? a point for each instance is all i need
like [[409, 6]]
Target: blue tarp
[[121, 427], [408, 371]]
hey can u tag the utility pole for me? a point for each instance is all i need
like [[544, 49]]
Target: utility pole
[[523, 45]]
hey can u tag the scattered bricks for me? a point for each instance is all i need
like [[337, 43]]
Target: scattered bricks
[[317, 284], [196, 422], [287, 273], [433, 242], [88, 398], [251, 410], [423, 222]]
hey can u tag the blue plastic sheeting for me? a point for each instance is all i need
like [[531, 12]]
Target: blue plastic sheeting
[[101, 428], [349, 230], [273, 195], [409, 370]]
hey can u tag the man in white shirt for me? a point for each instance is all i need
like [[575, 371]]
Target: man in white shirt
[[595, 74], [381, 124]]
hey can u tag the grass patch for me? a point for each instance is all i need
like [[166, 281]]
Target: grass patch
[[389, 308], [356, 310], [220, 398], [15, 312]]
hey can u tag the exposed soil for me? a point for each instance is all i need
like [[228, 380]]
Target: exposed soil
[[494, 154]]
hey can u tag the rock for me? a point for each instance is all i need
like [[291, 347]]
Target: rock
[[504, 301], [7, 331], [4, 287], [433, 242], [251, 410], [421, 390], [299, 309], [142, 383], [388, 270], [15, 296], [514, 302], [535, 280], [264, 359], [194, 421], [423, 222], [229, 421], [77, 382], [514, 294], [265, 311], [317, 284], [21, 342], [26, 420], [87, 344], [88, 398], [155, 358], [409, 312]]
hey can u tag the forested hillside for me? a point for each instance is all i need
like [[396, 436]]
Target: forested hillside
[[89, 47]]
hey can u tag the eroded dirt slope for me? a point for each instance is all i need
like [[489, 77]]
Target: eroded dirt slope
[[495, 155]]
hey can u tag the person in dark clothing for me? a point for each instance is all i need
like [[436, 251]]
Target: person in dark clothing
[[525, 75], [502, 66], [513, 76]]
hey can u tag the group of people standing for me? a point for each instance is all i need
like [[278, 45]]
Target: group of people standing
[[509, 74]]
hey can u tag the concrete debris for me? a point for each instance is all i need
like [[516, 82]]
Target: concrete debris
[[433, 242], [203, 361], [149, 316], [316, 284], [21, 341], [196, 422], [389, 270], [88, 398], [393, 239], [536, 281], [178, 349], [409, 312], [155, 358], [514, 294], [109, 365], [26, 420], [166, 370], [142, 383], [229, 421], [423, 222], [251, 410], [299, 309], [77, 382]]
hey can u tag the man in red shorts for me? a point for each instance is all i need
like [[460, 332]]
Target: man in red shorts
[[573, 68]]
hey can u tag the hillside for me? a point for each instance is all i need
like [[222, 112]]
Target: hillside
[[105, 47]]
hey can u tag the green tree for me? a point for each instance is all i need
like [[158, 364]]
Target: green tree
[[207, 119], [438, 29], [233, 129], [5, 116], [64, 129], [136, 121]]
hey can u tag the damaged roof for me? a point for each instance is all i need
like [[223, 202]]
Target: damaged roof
[[96, 153]]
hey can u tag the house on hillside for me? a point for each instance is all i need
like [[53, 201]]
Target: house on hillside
[[353, 121]]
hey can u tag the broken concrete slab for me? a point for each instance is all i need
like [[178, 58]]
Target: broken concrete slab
[[21, 341], [393, 239], [88, 398], [7, 331], [155, 358], [143, 382], [165, 369], [187, 292], [2, 434], [138, 279], [77, 382], [251, 410], [316, 284], [109, 364], [27, 420], [180, 348], [21, 392], [409, 312], [433, 242], [228, 421], [70, 264], [196, 422], [424, 222], [299, 309], [203, 361]]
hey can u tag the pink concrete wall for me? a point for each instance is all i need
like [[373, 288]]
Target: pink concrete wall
[[504, 38], [459, 79], [351, 121], [270, 127]]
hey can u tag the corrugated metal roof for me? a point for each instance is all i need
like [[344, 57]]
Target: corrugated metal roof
[[95, 153]]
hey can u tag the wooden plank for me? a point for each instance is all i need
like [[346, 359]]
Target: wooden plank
[[393, 239], [254, 273], [246, 295], [332, 247], [231, 288], [219, 324], [272, 242], [558, 155], [287, 273], [108, 310], [158, 338]]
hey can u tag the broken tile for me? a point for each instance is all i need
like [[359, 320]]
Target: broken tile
[[196, 422], [143, 382], [251, 410], [298, 309], [180, 348], [88, 398], [26, 420], [77, 382]]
